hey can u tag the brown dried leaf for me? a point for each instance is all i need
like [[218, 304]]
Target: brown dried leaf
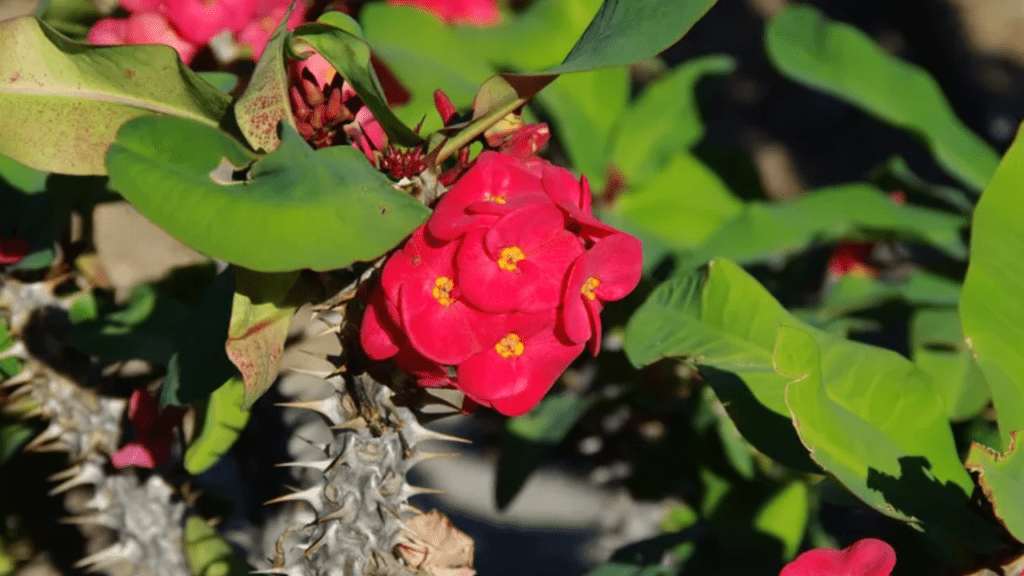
[[437, 547]]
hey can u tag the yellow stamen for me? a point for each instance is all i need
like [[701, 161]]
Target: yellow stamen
[[589, 286], [509, 256], [496, 199], [510, 346], [442, 291]]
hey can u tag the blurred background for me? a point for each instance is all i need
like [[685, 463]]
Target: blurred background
[[614, 480]]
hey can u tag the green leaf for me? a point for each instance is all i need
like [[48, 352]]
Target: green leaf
[[627, 31], [21, 177], [896, 174], [291, 209], [529, 438], [14, 435], [770, 230], [259, 326], [621, 33], [664, 120], [785, 517], [535, 38], [338, 38], [839, 59], [207, 554], [62, 103], [1002, 479], [146, 327], [265, 105], [223, 81], [726, 323], [425, 56], [200, 364], [853, 292], [990, 307], [683, 205], [938, 348], [864, 438], [222, 420]]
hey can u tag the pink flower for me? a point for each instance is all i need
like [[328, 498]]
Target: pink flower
[[866, 557], [108, 32], [154, 433], [493, 186], [481, 13], [421, 282], [608, 271], [200, 20], [12, 250], [141, 28], [520, 367], [134, 6], [257, 32], [520, 262], [504, 284]]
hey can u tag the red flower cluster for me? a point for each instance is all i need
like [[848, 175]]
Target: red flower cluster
[[154, 433], [505, 283], [866, 557], [188, 25]]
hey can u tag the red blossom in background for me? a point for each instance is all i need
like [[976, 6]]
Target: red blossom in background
[[12, 250], [154, 433], [866, 557], [504, 284], [188, 25], [481, 13]]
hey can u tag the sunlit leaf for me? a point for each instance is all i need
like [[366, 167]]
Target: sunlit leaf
[[207, 554], [843, 61], [62, 103], [221, 421], [259, 326], [1002, 478], [990, 307]]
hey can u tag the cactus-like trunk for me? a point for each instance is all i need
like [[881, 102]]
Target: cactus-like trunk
[[145, 517]]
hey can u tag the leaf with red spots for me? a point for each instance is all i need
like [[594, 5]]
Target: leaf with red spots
[[61, 103], [264, 104], [260, 318]]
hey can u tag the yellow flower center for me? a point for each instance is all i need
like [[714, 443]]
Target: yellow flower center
[[509, 256], [589, 286], [443, 291], [510, 346], [496, 199]]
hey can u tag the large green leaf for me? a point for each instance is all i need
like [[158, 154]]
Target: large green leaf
[[61, 103], [843, 61], [1002, 479], [938, 348], [769, 230], [664, 120], [294, 208], [222, 419], [683, 205], [338, 38], [864, 442], [784, 516], [990, 307], [529, 438], [621, 33], [725, 322]]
